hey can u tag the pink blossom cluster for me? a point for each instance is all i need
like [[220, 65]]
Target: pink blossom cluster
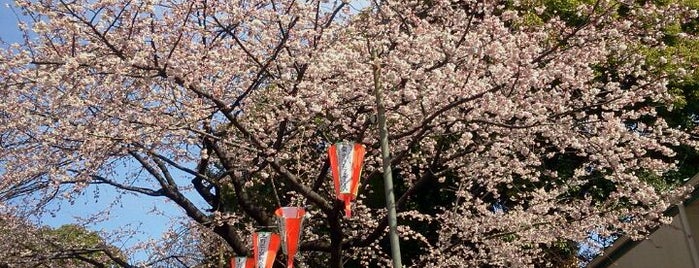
[[236, 101]]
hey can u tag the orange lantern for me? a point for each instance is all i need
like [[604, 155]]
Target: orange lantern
[[242, 262], [290, 220], [265, 246], [346, 163]]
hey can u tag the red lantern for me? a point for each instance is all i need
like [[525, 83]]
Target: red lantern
[[242, 262], [346, 163], [265, 246], [290, 220]]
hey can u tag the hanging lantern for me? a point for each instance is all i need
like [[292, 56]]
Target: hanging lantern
[[242, 262], [290, 220], [346, 163], [265, 246]]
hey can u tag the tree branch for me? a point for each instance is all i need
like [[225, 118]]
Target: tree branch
[[243, 199]]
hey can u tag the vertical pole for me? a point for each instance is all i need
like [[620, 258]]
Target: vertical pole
[[386, 160], [221, 258], [336, 236]]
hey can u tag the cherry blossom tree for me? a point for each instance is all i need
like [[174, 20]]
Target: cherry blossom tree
[[508, 138]]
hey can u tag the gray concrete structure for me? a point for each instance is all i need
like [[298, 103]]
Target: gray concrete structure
[[672, 246]]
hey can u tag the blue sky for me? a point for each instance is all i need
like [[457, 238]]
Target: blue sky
[[131, 210], [8, 23]]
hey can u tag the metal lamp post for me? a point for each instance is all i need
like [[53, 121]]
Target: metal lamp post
[[386, 160]]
